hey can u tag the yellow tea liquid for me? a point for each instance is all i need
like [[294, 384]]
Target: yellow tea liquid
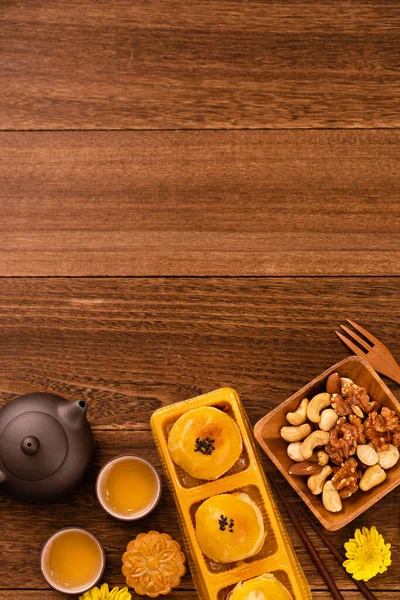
[[129, 486], [74, 560]]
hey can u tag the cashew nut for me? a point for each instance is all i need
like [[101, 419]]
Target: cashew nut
[[328, 419], [294, 451], [367, 454], [315, 439], [330, 498], [316, 482], [388, 458], [322, 458], [299, 416], [316, 405], [295, 434], [373, 476]]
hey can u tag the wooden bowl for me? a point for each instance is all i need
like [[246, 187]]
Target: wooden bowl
[[267, 434]]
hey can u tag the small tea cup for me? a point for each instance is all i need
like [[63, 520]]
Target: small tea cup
[[56, 570], [104, 495]]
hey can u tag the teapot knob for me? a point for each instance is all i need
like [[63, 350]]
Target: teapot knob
[[30, 445]]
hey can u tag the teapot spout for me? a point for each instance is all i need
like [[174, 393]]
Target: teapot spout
[[73, 413]]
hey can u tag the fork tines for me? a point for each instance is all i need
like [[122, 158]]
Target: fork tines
[[365, 345]]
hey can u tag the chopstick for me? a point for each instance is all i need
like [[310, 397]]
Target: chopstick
[[309, 545], [360, 584]]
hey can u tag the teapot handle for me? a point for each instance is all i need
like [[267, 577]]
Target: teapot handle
[[2, 477]]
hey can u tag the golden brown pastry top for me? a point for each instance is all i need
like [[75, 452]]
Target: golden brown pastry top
[[153, 564]]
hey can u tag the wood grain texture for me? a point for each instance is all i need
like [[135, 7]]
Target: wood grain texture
[[200, 203], [129, 346], [154, 203], [89, 64]]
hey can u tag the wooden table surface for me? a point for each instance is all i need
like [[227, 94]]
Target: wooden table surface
[[193, 194]]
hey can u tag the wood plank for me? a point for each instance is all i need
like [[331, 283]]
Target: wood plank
[[129, 346], [200, 203], [204, 64]]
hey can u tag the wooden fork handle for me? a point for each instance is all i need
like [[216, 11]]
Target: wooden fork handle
[[395, 376], [390, 369]]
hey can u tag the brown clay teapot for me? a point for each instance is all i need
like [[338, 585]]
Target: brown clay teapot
[[46, 445]]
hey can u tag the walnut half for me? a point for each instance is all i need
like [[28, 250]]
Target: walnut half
[[358, 398], [383, 429], [343, 439], [346, 478]]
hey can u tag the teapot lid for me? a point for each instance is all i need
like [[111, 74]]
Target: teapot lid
[[33, 446]]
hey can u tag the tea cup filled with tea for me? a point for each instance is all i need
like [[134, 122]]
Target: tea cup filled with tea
[[128, 487], [72, 560]]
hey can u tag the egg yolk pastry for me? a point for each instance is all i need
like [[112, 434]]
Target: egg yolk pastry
[[265, 587], [205, 442], [229, 527]]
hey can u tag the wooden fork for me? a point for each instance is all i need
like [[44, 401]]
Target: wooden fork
[[375, 352]]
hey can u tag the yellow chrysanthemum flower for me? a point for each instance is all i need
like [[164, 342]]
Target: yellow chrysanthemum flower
[[367, 554], [104, 594]]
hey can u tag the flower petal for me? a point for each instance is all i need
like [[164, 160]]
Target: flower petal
[[145, 580], [159, 579], [167, 555], [158, 546], [137, 558], [138, 570]]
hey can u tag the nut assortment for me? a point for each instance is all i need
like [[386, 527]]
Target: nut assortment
[[342, 440]]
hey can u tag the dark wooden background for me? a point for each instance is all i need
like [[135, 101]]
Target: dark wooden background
[[192, 194]]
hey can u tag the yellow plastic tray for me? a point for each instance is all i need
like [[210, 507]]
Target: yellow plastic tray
[[214, 580]]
